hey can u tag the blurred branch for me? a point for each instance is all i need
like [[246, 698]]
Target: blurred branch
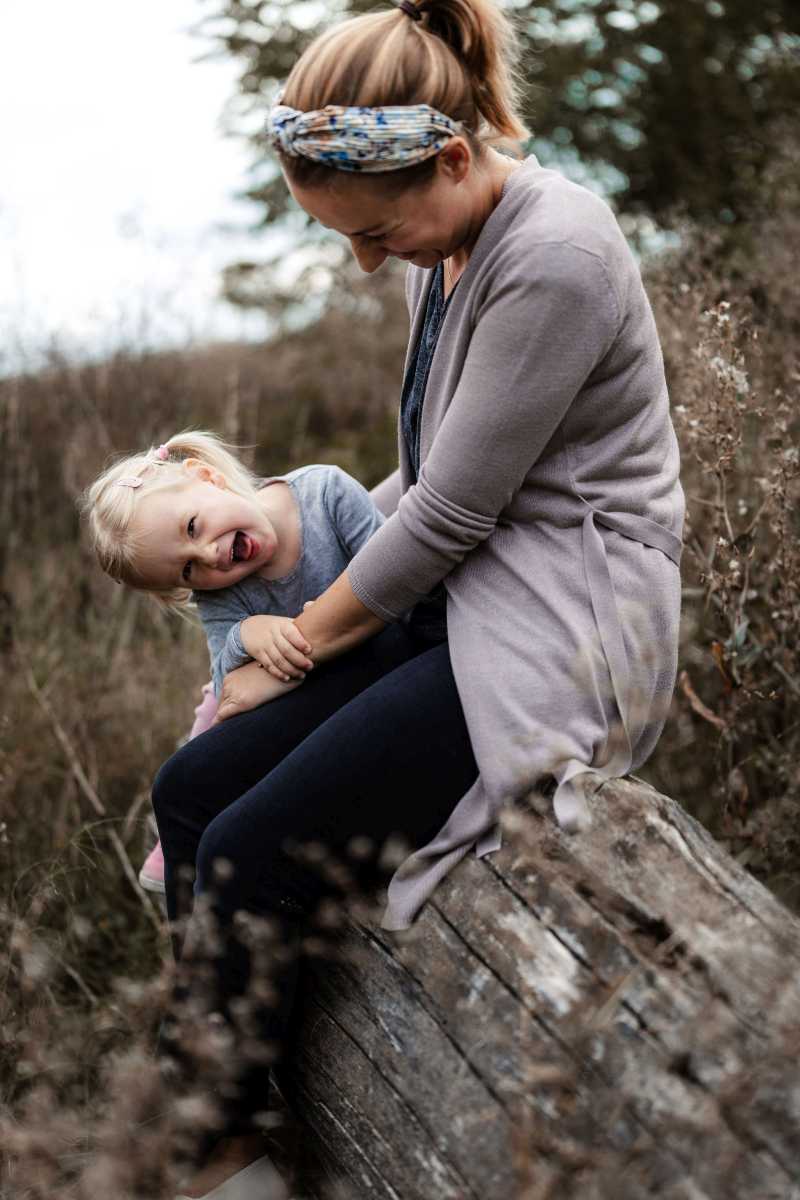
[[697, 704]]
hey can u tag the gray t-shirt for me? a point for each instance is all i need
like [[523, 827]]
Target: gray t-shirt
[[337, 516]]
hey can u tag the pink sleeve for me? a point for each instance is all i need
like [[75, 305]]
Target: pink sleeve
[[205, 712]]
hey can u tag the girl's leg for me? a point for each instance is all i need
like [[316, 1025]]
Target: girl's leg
[[394, 760]]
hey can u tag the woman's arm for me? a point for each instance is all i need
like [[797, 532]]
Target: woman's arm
[[337, 621], [386, 494], [543, 326], [538, 336]]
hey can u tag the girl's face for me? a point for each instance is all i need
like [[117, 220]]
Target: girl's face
[[421, 225], [199, 534]]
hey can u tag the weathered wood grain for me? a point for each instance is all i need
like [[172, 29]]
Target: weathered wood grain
[[609, 1014]]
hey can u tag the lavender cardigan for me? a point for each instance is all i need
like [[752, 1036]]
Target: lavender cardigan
[[549, 502]]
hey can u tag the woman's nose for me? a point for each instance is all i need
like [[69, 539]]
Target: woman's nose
[[368, 255]]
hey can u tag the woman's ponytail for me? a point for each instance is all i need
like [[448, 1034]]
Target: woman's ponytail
[[483, 39]]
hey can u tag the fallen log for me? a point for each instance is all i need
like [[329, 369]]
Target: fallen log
[[612, 1014]]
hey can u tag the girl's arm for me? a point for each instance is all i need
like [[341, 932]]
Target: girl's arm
[[222, 614], [236, 635]]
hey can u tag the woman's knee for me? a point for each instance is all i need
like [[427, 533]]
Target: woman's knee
[[228, 863], [262, 876], [217, 856]]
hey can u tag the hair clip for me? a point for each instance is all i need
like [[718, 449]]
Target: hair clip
[[131, 481], [162, 453]]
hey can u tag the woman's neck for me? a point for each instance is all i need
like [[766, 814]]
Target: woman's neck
[[489, 192]]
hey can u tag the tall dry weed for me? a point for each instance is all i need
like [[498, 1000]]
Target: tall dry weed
[[729, 316]]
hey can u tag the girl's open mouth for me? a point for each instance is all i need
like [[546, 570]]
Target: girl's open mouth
[[243, 547]]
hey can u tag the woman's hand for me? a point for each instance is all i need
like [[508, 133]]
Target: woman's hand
[[336, 621], [247, 687], [276, 644]]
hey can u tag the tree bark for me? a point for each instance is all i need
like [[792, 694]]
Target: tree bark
[[611, 1014]]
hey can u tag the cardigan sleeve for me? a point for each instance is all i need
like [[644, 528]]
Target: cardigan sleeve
[[386, 494], [544, 324]]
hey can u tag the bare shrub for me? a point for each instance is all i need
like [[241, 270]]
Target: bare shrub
[[729, 314]]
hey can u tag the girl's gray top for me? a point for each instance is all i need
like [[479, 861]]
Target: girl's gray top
[[337, 516], [549, 502]]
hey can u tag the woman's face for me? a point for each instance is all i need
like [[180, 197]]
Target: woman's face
[[422, 225]]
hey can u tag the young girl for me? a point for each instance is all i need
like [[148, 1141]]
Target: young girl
[[188, 522]]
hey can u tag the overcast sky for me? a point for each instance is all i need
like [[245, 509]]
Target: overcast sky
[[116, 182]]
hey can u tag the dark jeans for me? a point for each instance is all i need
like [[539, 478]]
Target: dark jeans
[[300, 797]]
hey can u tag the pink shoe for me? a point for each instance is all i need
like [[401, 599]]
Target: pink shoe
[[151, 876]]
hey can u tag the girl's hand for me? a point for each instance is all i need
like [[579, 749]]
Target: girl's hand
[[248, 687], [276, 644]]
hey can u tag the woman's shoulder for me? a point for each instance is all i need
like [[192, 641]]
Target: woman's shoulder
[[543, 207], [559, 239], [546, 228]]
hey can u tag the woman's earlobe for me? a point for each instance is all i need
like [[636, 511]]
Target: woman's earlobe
[[455, 158]]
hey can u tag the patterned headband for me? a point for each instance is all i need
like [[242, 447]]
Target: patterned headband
[[361, 139]]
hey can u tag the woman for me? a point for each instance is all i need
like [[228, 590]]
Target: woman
[[535, 523]]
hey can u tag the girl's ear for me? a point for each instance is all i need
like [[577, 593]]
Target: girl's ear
[[204, 473]]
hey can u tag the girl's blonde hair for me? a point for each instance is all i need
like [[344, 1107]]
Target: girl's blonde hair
[[460, 58], [110, 504]]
